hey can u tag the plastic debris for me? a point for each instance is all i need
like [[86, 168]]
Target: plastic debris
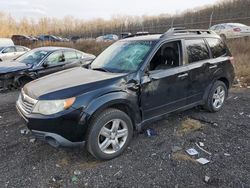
[[32, 140], [58, 166], [201, 144], [118, 173], [203, 149], [74, 179], [77, 172], [202, 161], [176, 148], [56, 179], [24, 131], [236, 98], [1, 117], [227, 154], [150, 132], [192, 151], [207, 179]]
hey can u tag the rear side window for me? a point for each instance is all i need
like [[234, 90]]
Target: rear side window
[[70, 55], [217, 47], [196, 50], [20, 49]]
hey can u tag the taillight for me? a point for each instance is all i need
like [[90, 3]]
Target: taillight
[[237, 29]]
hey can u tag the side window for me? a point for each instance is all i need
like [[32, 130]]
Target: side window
[[9, 50], [20, 49], [217, 47], [196, 50], [168, 56], [70, 55], [55, 58], [79, 55]]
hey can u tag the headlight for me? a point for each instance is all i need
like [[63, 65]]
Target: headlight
[[48, 107]]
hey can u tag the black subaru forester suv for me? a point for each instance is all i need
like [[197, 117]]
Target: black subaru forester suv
[[133, 82]]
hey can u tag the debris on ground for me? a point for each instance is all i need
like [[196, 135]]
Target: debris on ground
[[209, 153], [56, 179], [24, 131], [189, 125], [207, 179], [74, 179], [1, 117], [77, 172], [192, 151], [32, 140], [241, 113], [202, 161], [118, 173], [150, 132], [176, 148], [201, 144], [227, 154], [182, 157]]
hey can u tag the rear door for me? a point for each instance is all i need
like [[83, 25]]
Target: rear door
[[198, 63], [71, 59]]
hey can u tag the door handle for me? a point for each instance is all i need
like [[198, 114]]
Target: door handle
[[183, 75], [213, 67]]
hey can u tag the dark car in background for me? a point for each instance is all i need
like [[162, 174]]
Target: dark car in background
[[39, 62], [132, 83], [23, 39], [48, 38]]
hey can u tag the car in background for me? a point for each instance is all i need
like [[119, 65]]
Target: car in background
[[125, 35], [231, 30], [20, 39], [48, 38], [9, 53], [40, 62], [107, 38], [6, 42]]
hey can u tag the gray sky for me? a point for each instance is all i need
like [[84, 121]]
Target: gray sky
[[89, 9]]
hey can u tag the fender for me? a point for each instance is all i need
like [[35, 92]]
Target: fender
[[115, 98], [31, 75]]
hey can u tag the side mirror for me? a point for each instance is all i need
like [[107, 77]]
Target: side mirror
[[45, 64]]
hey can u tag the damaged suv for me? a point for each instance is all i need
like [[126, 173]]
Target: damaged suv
[[133, 82]]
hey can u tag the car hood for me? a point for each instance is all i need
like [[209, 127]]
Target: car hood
[[69, 83], [8, 67]]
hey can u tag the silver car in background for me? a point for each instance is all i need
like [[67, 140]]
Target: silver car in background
[[231, 30], [9, 53]]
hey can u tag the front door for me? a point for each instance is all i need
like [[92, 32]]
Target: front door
[[164, 86], [54, 63]]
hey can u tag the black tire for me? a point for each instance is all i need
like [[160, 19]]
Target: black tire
[[210, 100], [223, 37], [1, 60], [96, 126]]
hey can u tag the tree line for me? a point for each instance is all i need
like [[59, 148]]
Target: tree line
[[221, 12]]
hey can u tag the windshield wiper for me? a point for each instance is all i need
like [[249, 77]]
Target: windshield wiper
[[101, 69]]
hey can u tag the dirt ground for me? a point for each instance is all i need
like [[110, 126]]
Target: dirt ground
[[159, 161]]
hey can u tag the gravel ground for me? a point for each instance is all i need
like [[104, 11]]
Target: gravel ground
[[159, 161]]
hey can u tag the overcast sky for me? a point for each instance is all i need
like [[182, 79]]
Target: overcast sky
[[89, 9]]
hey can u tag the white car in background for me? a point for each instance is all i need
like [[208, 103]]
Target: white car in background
[[8, 53], [231, 30]]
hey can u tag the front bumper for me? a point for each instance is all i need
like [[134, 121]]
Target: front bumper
[[67, 128], [55, 140]]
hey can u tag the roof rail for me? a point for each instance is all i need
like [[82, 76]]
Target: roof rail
[[182, 30]]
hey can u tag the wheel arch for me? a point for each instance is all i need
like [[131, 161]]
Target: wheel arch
[[118, 100]]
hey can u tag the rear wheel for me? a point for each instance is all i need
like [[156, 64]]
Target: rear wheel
[[216, 97], [109, 134]]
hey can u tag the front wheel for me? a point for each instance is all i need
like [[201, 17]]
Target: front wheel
[[216, 97], [109, 134]]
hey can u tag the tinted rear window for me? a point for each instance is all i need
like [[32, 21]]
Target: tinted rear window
[[196, 50], [217, 47]]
